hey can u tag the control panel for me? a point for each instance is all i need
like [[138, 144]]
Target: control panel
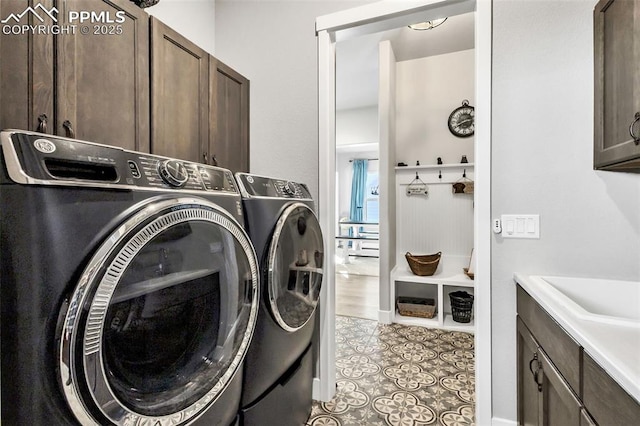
[[260, 186], [43, 159]]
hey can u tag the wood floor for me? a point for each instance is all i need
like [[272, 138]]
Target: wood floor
[[357, 296]]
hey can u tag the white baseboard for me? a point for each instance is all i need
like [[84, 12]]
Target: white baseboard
[[385, 317], [496, 421], [315, 390], [317, 394]]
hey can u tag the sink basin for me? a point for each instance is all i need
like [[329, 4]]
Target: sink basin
[[608, 301]]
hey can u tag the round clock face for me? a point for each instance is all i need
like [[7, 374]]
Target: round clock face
[[461, 121]]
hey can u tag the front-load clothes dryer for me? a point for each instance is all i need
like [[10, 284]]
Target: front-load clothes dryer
[[284, 229], [128, 287]]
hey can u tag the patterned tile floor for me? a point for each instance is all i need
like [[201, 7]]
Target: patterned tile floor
[[399, 375]]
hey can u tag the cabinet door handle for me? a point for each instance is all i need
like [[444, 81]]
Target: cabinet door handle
[[535, 373], [68, 129], [214, 160], [205, 157], [636, 139], [42, 123]]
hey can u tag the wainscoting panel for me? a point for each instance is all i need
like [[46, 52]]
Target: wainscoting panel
[[439, 221]]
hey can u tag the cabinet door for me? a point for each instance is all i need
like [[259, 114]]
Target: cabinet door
[[179, 94], [617, 87], [26, 70], [560, 406], [586, 420], [229, 118], [103, 76], [561, 348], [529, 377], [608, 403]]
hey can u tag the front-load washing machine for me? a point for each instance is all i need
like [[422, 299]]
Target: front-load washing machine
[[285, 232], [128, 287]]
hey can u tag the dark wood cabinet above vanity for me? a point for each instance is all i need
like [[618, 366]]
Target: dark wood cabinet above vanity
[[617, 85]]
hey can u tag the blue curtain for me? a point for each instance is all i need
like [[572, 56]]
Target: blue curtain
[[358, 190]]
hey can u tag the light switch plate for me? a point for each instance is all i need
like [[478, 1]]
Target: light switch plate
[[520, 226]]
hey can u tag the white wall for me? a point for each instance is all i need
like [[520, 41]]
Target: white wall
[[429, 89], [194, 19], [273, 44], [357, 125], [542, 162]]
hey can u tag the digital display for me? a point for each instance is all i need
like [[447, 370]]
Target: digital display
[[260, 186]]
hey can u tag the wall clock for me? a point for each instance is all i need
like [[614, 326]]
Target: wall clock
[[461, 120]]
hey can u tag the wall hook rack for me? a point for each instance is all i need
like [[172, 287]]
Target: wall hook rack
[[417, 187]]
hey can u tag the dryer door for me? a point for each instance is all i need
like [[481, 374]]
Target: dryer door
[[161, 317], [294, 265]]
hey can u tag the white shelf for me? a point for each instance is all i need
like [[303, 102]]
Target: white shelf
[[448, 274], [450, 324], [422, 322]]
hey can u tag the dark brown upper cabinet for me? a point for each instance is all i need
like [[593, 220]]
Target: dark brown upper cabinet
[[200, 106], [617, 85], [103, 88], [137, 84], [179, 95], [26, 72], [92, 86], [229, 118]]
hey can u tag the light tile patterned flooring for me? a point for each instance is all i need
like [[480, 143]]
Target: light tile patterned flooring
[[400, 376]]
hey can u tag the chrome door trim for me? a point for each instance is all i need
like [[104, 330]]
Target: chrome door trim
[[163, 214], [271, 259]]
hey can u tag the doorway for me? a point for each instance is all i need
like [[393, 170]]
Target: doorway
[[370, 19], [357, 266]]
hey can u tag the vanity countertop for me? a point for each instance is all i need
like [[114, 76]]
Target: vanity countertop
[[614, 345]]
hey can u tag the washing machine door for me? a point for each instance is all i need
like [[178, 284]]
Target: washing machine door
[[161, 317], [294, 267]]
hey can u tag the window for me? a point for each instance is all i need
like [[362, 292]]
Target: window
[[371, 212]]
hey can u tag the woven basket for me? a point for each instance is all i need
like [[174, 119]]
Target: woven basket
[[416, 307], [423, 265]]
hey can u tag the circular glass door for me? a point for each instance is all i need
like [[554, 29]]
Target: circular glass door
[[295, 263], [161, 317]]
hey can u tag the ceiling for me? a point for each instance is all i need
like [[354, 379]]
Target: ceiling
[[357, 58]]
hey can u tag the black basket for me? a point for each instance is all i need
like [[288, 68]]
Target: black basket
[[461, 306]]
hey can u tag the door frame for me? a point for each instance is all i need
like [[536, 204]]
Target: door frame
[[376, 17]]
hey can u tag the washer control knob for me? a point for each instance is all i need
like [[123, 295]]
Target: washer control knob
[[173, 172], [289, 188]]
